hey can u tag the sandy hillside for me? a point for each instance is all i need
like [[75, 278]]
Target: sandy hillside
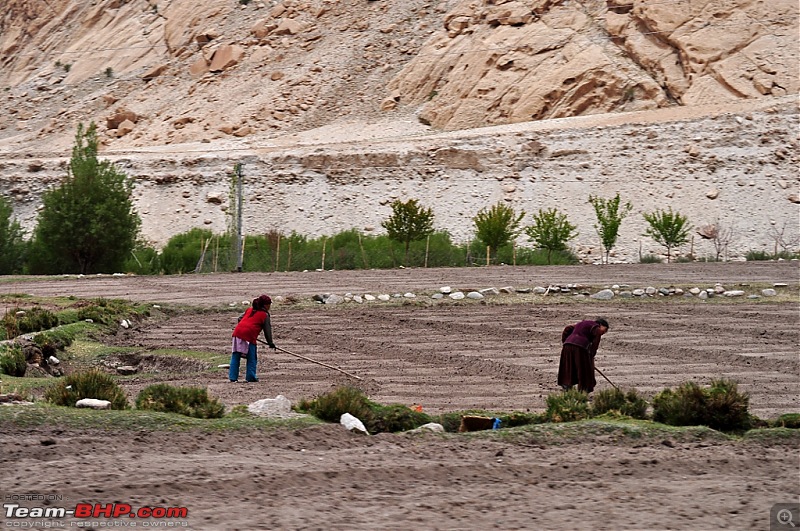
[[338, 107]]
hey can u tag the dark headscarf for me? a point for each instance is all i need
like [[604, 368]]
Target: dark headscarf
[[260, 304]]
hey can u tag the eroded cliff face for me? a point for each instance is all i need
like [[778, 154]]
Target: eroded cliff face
[[338, 107], [497, 61], [183, 71]]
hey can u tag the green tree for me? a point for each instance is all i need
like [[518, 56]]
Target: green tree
[[409, 222], [12, 246], [609, 217], [551, 231], [667, 228], [87, 224], [497, 226]]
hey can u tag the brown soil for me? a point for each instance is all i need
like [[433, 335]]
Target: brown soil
[[500, 355]]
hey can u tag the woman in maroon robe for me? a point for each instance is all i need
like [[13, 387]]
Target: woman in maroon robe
[[579, 347]]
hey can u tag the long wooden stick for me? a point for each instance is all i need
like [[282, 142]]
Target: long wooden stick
[[604, 376], [315, 361]]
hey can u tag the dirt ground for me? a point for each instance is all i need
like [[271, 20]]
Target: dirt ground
[[500, 354]]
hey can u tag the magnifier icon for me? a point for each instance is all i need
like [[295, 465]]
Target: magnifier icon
[[785, 517]]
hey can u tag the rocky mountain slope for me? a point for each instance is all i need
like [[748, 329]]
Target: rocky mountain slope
[[336, 107]]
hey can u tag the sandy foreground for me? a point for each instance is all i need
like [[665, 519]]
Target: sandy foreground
[[498, 355]]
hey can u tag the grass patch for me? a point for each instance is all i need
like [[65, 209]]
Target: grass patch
[[567, 406], [788, 420], [189, 401], [629, 404], [132, 420], [91, 384], [12, 361], [376, 418], [720, 406]]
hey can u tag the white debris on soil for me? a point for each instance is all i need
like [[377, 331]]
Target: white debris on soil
[[279, 407], [352, 423], [93, 403], [431, 426]]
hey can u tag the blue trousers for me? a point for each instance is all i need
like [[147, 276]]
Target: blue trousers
[[250, 370]]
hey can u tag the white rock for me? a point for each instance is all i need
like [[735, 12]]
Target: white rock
[[733, 293], [603, 295], [456, 295], [437, 296], [93, 403], [539, 290], [124, 323], [278, 407], [769, 292], [333, 299], [383, 297], [358, 299], [474, 295], [445, 289], [409, 295], [638, 292], [703, 295], [431, 426], [368, 297], [694, 291], [489, 291], [52, 360], [352, 423]]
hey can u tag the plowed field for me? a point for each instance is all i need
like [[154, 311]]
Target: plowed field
[[497, 354]]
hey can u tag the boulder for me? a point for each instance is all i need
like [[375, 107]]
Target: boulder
[[225, 57]]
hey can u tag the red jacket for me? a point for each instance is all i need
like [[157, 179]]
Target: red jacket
[[251, 324]]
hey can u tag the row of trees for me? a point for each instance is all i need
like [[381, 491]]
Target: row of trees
[[551, 230], [88, 225]]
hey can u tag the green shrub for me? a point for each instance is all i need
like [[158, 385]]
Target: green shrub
[[376, 418], [450, 420], [629, 404], [89, 384], [189, 401], [144, 260], [331, 406], [106, 311], [53, 340], [393, 418], [512, 420], [753, 256], [720, 407], [567, 406], [788, 420], [183, 251], [33, 320], [650, 259], [12, 361]]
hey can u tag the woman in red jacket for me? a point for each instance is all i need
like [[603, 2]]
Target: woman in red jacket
[[579, 347], [245, 338]]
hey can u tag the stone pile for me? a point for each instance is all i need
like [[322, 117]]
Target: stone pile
[[578, 291]]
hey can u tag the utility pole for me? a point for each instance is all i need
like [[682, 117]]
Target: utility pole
[[239, 209]]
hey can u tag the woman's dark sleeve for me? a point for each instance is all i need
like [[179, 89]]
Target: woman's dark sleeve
[[595, 342], [267, 328]]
